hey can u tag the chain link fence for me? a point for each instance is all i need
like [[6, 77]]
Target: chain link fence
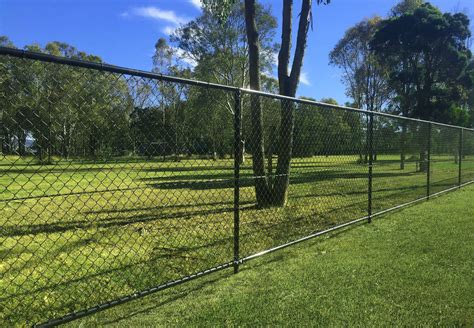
[[117, 183]]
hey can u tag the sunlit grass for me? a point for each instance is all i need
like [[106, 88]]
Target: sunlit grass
[[77, 233], [411, 268]]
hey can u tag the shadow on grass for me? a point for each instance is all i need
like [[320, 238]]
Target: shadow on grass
[[224, 208], [31, 229], [248, 181], [277, 233]]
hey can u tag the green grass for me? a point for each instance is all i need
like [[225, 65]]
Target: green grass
[[75, 234], [410, 268]]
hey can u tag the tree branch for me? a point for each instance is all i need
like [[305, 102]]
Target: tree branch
[[284, 53], [301, 39]]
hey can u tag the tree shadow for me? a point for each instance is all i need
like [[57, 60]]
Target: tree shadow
[[108, 222], [194, 182]]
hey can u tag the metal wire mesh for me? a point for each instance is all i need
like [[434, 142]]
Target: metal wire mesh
[[467, 156], [115, 182], [400, 170], [444, 165], [327, 180], [117, 186]]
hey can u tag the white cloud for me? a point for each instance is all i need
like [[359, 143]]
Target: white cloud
[[196, 3], [168, 30], [159, 14], [185, 57], [304, 78]]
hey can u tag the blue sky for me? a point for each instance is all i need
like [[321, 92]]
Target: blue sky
[[123, 32]]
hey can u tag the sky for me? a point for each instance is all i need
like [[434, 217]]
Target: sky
[[123, 32]]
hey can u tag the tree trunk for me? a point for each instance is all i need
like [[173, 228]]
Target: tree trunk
[[282, 174], [423, 162], [5, 142], [262, 190], [270, 151], [288, 85], [424, 151], [275, 194], [242, 152]]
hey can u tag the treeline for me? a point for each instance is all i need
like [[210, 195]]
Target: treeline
[[423, 72], [416, 62], [51, 110]]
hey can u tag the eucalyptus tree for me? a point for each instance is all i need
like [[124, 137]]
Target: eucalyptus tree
[[7, 108], [272, 192], [218, 49], [405, 7], [275, 192], [363, 74], [365, 78]]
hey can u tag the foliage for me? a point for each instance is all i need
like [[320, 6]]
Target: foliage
[[220, 50], [427, 62], [405, 7], [363, 74]]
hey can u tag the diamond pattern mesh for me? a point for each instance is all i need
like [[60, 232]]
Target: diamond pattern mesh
[[444, 158], [112, 184], [400, 173], [122, 185]]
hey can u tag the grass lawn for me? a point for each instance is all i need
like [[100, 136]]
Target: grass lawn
[[76, 234], [409, 268]]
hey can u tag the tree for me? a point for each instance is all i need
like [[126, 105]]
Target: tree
[[427, 63], [8, 89], [65, 111], [470, 97], [274, 192], [218, 47], [405, 7], [363, 74]]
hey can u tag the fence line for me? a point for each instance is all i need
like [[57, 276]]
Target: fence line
[[18, 53], [188, 174]]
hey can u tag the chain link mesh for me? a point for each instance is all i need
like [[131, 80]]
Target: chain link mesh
[[444, 158], [117, 185], [112, 184], [400, 161]]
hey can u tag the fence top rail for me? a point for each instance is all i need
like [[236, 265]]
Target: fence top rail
[[351, 109], [106, 68], [140, 73]]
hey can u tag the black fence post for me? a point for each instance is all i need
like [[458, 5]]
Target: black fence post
[[237, 157], [460, 155], [428, 163], [370, 146]]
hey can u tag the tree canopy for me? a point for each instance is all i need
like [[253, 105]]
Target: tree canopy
[[427, 57]]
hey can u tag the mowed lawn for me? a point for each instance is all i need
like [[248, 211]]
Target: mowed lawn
[[75, 234], [414, 267]]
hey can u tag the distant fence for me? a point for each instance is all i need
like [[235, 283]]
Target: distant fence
[[117, 183]]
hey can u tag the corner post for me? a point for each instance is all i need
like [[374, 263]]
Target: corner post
[[237, 151]]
